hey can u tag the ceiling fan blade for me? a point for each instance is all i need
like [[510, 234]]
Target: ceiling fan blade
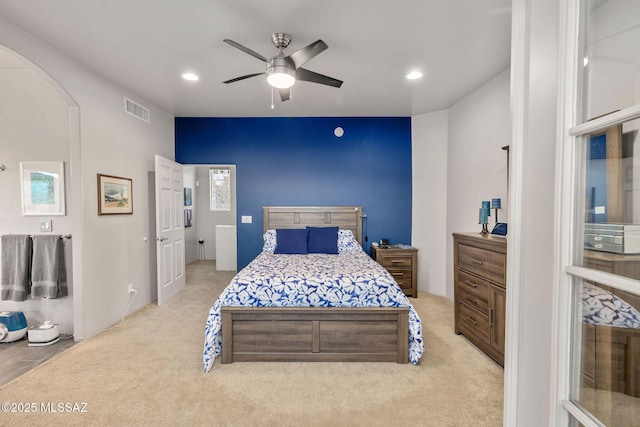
[[246, 50], [285, 94], [243, 77], [300, 57], [310, 76]]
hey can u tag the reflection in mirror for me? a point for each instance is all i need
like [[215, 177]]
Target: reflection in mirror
[[612, 201], [607, 332]]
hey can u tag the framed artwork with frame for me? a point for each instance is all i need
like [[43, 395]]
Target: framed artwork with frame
[[115, 195], [42, 187]]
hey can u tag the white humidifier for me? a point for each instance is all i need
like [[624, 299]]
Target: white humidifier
[[45, 334]]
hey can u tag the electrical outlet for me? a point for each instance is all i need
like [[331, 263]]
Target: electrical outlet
[[130, 288]]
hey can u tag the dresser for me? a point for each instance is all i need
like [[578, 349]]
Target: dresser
[[480, 265], [402, 263]]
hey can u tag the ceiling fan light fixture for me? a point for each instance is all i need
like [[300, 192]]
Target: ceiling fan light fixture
[[281, 77], [192, 77]]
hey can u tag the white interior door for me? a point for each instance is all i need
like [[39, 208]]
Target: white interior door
[[169, 228]]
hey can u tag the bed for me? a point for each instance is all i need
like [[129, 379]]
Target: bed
[[320, 306], [611, 339]]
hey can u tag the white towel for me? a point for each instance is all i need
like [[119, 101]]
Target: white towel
[[48, 273], [15, 260]]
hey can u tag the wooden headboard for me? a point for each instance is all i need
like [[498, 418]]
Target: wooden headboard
[[345, 217]]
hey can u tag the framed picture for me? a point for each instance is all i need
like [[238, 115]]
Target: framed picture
[[42, 185], [187, 197], [115, 195], [188, 216]]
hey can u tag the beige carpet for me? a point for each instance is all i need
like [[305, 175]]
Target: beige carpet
[[148, 371]]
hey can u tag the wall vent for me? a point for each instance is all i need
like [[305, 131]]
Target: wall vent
[[137, 110]]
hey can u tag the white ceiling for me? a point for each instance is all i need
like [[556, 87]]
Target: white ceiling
[[145, 45]]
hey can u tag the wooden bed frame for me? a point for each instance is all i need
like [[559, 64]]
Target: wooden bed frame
[[313, 334]]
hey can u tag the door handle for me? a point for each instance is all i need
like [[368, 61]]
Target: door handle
[[161, 239]]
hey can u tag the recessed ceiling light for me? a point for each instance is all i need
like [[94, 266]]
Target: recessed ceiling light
[[190, 76], [414, 75]]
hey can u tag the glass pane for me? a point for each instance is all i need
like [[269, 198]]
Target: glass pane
[[220, 180], [611, 191], [606, 365], [611, 56]]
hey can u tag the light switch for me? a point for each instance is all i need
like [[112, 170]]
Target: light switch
[[599, 209], [247, 219], [46, 226]]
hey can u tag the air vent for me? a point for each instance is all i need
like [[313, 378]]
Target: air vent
[[137, 110]]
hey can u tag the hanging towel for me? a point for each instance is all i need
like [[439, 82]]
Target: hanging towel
[[15, 260], [48, 273]]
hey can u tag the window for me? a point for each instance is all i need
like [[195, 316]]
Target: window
[[599, 296], [220, 185]]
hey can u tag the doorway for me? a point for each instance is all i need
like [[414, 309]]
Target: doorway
[[210, 218]]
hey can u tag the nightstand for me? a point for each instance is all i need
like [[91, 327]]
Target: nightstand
[[402, 263]]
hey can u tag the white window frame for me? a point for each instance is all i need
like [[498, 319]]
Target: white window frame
[[569, 136], [211, 171]]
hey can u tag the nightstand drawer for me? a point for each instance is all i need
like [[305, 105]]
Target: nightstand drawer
[[396, 260], [473, 291], [474, 321], [402, 277], [482, 262]]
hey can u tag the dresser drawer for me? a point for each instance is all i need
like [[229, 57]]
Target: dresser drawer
[[402, 277], [474, 321], [474, 292], [482, 262], [396, 260]]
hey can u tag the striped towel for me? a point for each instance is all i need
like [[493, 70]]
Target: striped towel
[[48, 273], [15, 266]]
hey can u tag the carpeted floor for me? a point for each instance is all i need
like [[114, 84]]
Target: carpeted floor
[[148, 371]]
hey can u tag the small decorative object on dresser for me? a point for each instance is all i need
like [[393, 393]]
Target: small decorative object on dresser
[[402, 262], [480, 265]]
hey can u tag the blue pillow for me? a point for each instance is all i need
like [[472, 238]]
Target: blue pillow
[[323, 240], [291, 241]]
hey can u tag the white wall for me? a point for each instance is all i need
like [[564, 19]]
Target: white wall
[[191, 233], [34, 126], [479, 126], [529, 309], [429, 138], [109, 252]]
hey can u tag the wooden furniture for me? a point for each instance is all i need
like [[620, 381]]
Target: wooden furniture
[[610, 355], [371, 334], [480, 264], [313, 334], [402, 263]]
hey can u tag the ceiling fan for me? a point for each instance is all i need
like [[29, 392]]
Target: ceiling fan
[[283, 71]]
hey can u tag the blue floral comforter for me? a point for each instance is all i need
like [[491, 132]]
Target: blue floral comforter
[[350, 279]]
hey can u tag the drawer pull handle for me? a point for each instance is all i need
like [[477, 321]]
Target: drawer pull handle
[[470, 283], [472, 320], [472, 299], [397, 274], [597, 238], [477, 261], [397, 261]]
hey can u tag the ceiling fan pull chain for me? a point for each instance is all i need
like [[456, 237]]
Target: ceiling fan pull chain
[[272, 106]]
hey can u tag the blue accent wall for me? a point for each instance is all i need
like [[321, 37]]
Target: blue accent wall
[[299, 161]]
